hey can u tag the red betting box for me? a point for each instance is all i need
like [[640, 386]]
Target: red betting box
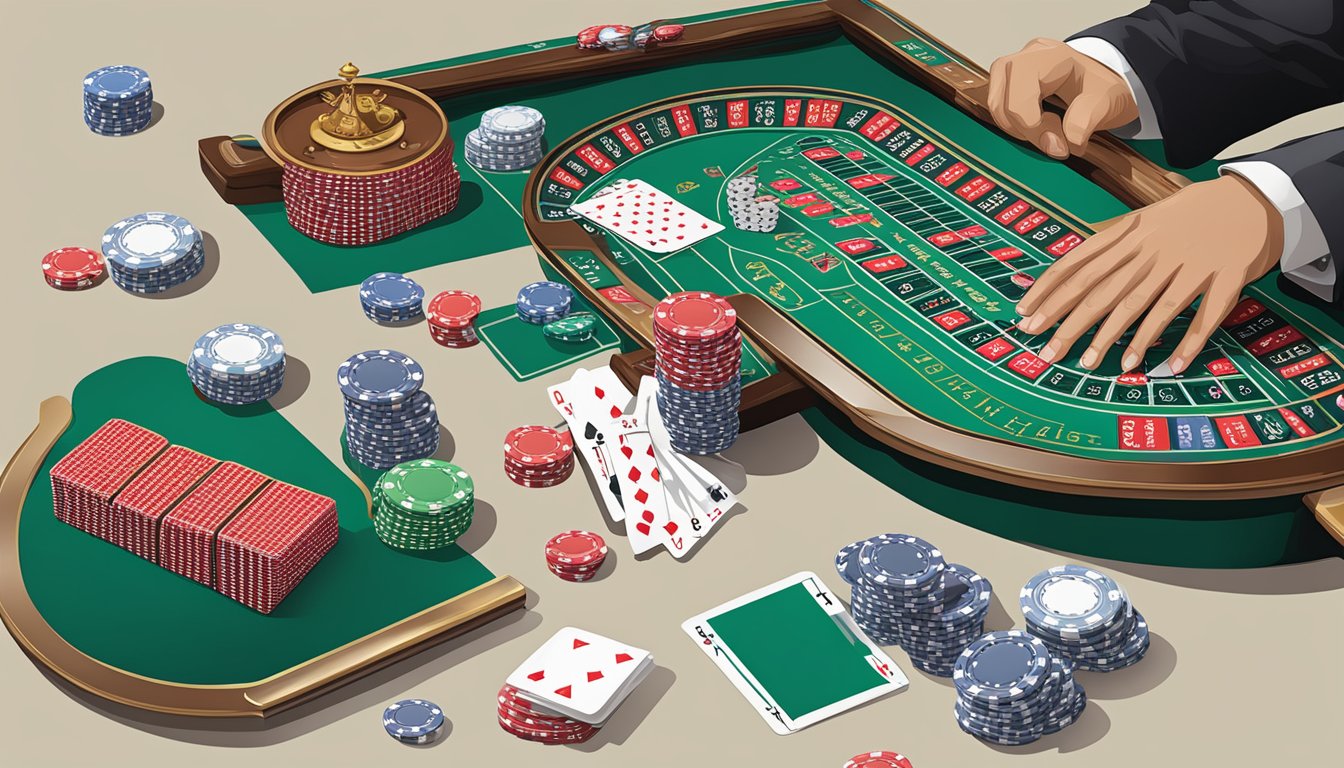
[[1144, 433], [1298, 425], [1221, 367], [956, 171], [785, 185], [1064, 244], [1303, 366], [994, 349], [1006, 254], [85, 480], [885, 264], [1030, 222], [187, 534], [1246, 310], [136, 511], [974, 188], [952, 320], [1007, 215], [818, 209], [267, 549], [1275, 340], [1237, 431], [1028, 365], [856, 246], [879, 126]]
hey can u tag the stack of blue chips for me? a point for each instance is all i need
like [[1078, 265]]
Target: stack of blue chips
[[508, 139], [153, 252], [542, 302], [700, 422], [1084, 615], [391, 298], [1012, 691], [237, 364], [905, 594], [388, 417], [118, 100]]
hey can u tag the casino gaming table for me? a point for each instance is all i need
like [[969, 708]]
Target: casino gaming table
[[882, 306]]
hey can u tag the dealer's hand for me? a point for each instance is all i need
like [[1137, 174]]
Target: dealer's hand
[[1097, 97], [1208, 240]]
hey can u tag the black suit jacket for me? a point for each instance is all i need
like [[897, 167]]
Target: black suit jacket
[[1217, 72]]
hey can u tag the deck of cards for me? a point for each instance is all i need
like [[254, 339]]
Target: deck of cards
[[570, 687], [663, 498], [646, 217]]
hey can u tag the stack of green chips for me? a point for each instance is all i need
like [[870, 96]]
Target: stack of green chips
[[578, 326], [423, 504]]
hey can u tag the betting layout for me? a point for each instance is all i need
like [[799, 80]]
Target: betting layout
[[892, 231]]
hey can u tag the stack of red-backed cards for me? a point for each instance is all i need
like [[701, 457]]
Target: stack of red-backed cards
[[570, 687], [160, 488], [451, 317], [84, 482], [533, 722], [576, 555], [267, 549], [187, 534], [538, 457]]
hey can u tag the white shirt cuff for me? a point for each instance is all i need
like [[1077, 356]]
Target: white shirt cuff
[[1305, 258], [1110, 57]]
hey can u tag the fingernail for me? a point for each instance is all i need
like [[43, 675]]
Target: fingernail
[[1021, 310], [1130, 361], [1178, 365], [1054, 144], [1049, 352], [1031, 324], [1089, 359]]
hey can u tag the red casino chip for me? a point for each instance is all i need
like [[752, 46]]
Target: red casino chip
[[72, 267], [879, 760], [666, 33], [695, 315], [577, 548], [453, 309], [533, 445]]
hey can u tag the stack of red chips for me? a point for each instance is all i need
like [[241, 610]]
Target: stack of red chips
[[533, 722], [538, 457], [451, 318], [884, 759], [72, 269], [576, 555]]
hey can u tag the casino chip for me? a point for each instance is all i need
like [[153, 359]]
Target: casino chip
[[576, 327], [509, 138], [153, 252], [72, 268], [538, 457], [391, 298], [531, 721], [388, 419], [544, 302], [237, 364], [749, 212], [1084, 615], [118, 100], [423, 505], [1011, 690], [413, 721], [698, 364], [576, 555], [451, 317], [879, 760], [905, 594]]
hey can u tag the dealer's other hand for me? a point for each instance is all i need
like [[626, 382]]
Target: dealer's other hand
[[1097, 97], [1208, 240]]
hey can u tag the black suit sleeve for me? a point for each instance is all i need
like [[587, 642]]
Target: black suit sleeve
[[1218, 72], [1316, 166]]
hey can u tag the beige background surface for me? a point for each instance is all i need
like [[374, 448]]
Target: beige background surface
[[1243, 666]]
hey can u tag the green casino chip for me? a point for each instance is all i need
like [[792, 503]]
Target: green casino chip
[[578, 326]]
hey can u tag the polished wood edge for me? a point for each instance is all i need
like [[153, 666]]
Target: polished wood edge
[[892, 424], [1328, 507], [260, 698], [763, 402]]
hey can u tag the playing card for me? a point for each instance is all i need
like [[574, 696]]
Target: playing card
[[681, 535], [647, 524], [703, 496], [588, 402], [647, 217], [792, 650], [581, 674]]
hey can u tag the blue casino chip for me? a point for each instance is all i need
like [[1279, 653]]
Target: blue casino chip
[[1002, 667], [380, 376], [152, 240], [544, 298], [413, 721], [391, 291], [1071, 602], [239, 348], [117, 82]]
